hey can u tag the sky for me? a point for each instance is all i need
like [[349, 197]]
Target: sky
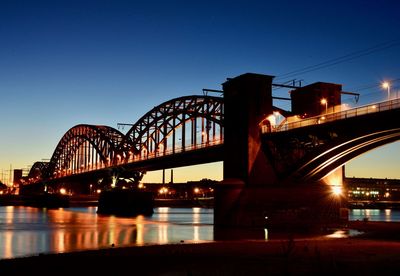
[[105, 62]]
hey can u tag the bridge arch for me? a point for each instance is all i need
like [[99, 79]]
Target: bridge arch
[[83, 148], [322, 163], [177, 125], [37, 170]]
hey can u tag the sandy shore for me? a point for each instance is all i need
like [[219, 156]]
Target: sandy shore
[[378, 251]]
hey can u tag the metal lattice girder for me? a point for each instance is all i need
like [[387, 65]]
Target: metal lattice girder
[[167, 127], [83, 146]]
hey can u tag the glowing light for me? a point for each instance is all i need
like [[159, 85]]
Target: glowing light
[[63, 191], [337, 190], [325, 102], [98, 191], [335, 181], [196, 190], [338, 234], [272, 119], [386, 85], [114, 181]]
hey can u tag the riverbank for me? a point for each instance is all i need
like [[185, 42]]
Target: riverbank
[[375, 251]]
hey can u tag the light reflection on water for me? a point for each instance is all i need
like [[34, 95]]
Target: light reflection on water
[[375, 214], [30, 231]]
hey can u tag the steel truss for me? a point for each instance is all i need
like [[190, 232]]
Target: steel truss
[[178, 125]]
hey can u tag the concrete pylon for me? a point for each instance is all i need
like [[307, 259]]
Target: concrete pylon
[[247, 100]]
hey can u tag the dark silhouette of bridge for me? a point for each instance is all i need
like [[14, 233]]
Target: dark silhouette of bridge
[[180, 132], [272, 168]]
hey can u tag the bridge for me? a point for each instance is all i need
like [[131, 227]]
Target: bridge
[[180, 132], [272, 169]]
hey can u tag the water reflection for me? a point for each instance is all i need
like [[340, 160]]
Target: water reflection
[[339, 234], [28, 231], [375, 214]]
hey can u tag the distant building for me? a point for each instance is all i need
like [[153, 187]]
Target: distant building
[[17, 176], [372, 189], [188, 190]]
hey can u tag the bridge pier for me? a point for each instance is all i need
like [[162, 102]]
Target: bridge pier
[[252, 194]]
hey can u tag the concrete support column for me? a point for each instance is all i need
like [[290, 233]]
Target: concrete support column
[[247, 101]]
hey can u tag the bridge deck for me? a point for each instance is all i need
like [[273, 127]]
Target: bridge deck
[[296, 122]]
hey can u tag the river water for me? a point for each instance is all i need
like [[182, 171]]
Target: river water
[[26, 231]]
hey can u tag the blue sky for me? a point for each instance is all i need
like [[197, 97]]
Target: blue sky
[[64, 63]]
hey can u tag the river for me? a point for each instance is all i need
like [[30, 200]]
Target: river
[[26, 231]]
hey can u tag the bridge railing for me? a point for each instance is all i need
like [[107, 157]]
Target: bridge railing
[[334, 116]]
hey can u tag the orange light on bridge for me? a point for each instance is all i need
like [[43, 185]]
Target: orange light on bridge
[[335, 182], [63, 191]]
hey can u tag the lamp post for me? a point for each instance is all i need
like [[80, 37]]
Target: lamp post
[[386, 85], [325, 102]]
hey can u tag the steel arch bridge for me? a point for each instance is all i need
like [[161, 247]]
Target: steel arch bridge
[[176, 126], [307, 151]]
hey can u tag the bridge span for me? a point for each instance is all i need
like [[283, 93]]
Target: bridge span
[[179, 132], [275, 169]]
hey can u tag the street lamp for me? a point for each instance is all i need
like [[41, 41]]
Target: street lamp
[[386, 85], [325, 102]]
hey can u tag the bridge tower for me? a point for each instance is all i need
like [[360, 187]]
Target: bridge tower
[[252, 194]]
